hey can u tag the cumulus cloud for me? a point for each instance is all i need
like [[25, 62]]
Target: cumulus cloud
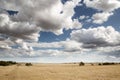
[[61, 48], [101, 39], [101, 43], [97, 37], [33, 17], [103, 5], [18, 29], [45, 14], [100, 18], [72, 46], [106, 6], [8, 53], [68, 45], [19, 33]]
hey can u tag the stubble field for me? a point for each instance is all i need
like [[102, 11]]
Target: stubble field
[[60, 72]]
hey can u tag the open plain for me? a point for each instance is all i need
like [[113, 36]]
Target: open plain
[[60, 72]]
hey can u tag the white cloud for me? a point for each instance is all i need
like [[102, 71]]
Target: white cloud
[[108, 49], [103, 5], [63, 45], [5, 47], [97, 37], [71, 46], [63, 48], [82, 17], [45, 14], [99, 40], [100, 18], [106, 6], [33, 17]]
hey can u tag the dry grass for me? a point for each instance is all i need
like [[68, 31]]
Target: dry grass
[[60, 72]]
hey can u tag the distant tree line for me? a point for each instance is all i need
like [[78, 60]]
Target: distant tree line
[[104, 63], [108, 63], [7, 63]]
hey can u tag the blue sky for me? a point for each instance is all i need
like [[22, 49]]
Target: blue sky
[[80, 11], [60, 31]]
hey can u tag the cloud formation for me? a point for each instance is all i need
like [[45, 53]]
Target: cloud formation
[[103, 5], [19, 33], [33, 17], [22, 30], [106, 9], [100, 18], [97, 37], [45, 14]]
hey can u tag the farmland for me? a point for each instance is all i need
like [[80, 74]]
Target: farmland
[[60, 72]]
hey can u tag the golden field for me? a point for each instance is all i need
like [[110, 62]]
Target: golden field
[[60, 72]]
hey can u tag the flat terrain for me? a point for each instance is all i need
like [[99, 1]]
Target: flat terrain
[[60, 72]]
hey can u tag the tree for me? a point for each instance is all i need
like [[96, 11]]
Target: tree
[[28, 64], [81, 64]]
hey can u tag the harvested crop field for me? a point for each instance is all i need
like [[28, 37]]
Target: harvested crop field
[[60, 72]]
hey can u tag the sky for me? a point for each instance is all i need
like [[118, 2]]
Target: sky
[[58, 31]]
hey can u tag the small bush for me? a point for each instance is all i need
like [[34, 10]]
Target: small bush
[[99, 64], [81, 64], [92, 64], [28, 64]]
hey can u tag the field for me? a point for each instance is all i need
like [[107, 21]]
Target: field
[[60, 72]]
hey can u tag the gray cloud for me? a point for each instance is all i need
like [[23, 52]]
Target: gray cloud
[[97, 37], [45, 14], [115, 54], [33, 17], [17, 29]]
